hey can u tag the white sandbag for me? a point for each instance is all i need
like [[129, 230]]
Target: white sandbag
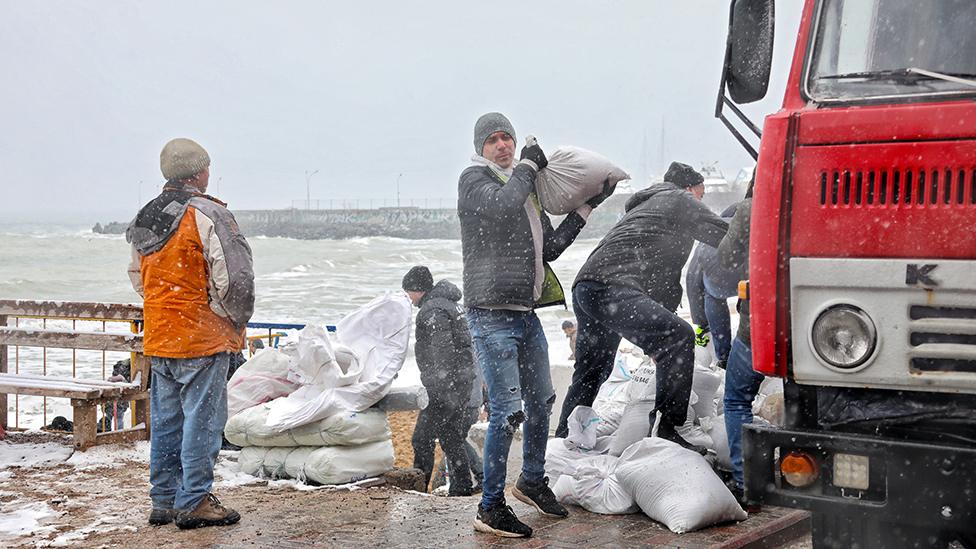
[[377, 335], [705, 383], [720, 394], [593, 486], [715, 427], [612, 398], [582, 425], [262, 378], [325, 465], [249, 428], [560, 455], [675, 486], [643, 382], [773, 409], [635, 424], [692, 431], [573, 176]]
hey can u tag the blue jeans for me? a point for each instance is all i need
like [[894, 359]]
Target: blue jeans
[[719, 321], [513, 355], [188, 399], [741, 385], [605, 314]]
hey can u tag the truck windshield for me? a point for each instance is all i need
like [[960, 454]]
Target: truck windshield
[[874, 49]]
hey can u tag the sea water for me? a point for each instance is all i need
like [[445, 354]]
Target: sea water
[[297, 281]]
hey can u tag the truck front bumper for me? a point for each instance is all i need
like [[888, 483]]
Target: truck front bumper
[[926, 485]]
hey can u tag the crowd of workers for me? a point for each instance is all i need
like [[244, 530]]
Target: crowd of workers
[[194, 270]]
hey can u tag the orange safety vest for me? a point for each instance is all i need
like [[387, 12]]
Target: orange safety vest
[[179, 322]]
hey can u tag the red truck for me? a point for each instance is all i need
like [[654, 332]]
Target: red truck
[[862, 271]]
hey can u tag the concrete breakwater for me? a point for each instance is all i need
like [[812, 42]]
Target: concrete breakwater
[[411, 223]]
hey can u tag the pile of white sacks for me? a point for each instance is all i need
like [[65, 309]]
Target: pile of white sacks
[[608, 465], [303, 411]]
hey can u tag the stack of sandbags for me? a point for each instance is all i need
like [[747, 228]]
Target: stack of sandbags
[[337, 449]]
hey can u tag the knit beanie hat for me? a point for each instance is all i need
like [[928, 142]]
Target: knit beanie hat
[[418, 279], [489, 124], [182, 158], [683, 175]]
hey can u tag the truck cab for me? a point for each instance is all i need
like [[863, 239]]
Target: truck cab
[[862, 279]]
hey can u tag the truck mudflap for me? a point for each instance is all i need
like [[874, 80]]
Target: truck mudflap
[[864, 478]]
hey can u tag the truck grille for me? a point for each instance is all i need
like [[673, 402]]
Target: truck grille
[[943, 339], [898, 187]]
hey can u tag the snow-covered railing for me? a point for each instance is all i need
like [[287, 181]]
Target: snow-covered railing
[[85, 394]]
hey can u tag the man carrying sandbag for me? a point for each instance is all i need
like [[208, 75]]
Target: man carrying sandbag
[[443, 351], [193, 268], [506, 242], [630, 287]]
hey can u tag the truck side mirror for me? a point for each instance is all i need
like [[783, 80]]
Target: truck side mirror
[[749, 54]]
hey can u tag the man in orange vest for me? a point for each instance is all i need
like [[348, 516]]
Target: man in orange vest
[[193, 268]]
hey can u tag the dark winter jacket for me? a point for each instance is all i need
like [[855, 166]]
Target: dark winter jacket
[[496, 240], [443, 346], [647, 248], [704, 262], [733, 253]]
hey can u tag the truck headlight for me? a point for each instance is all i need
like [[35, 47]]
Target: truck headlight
[[844, 336]]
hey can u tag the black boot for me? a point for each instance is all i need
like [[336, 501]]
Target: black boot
[[667, 431]]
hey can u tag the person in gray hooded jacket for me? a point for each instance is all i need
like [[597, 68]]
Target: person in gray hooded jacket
[[506, 243], [630, 287]]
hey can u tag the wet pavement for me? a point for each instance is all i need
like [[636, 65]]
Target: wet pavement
[[388, 518]]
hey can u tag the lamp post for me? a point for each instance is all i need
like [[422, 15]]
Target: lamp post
[[308, 192], [398, 189]]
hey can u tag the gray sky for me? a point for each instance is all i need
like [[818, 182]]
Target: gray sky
[[362, 91]]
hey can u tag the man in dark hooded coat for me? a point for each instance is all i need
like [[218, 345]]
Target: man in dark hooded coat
[[630, 287], [443, 351]]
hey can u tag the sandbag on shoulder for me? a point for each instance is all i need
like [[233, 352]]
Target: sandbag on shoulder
[[675, 486], [325, 465], [249, 428], [573, 176]]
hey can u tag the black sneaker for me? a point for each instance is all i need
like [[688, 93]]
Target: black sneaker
[[667, 431], [159, 517], [500, 520], [539, 496]]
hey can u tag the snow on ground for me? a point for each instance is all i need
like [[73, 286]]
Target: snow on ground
[[110, 455], [45, 454], [18, 519]]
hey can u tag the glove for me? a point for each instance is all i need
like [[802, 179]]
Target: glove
[[702, 336], [604, 194], [533, 153]]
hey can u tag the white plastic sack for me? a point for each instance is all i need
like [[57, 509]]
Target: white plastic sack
[[378, 335], [262, 378], [715, 427], [582, 425], [634, 426], [643, 382], [316, 362], [573, 176], [249, 428], [325, 465], [675, 486], [692, 431], [612, 398], [593, 486], [560, 455], [705, 383]]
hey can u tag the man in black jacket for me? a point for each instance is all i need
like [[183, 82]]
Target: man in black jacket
[[630, 287], [506, 242], [443, 351]]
